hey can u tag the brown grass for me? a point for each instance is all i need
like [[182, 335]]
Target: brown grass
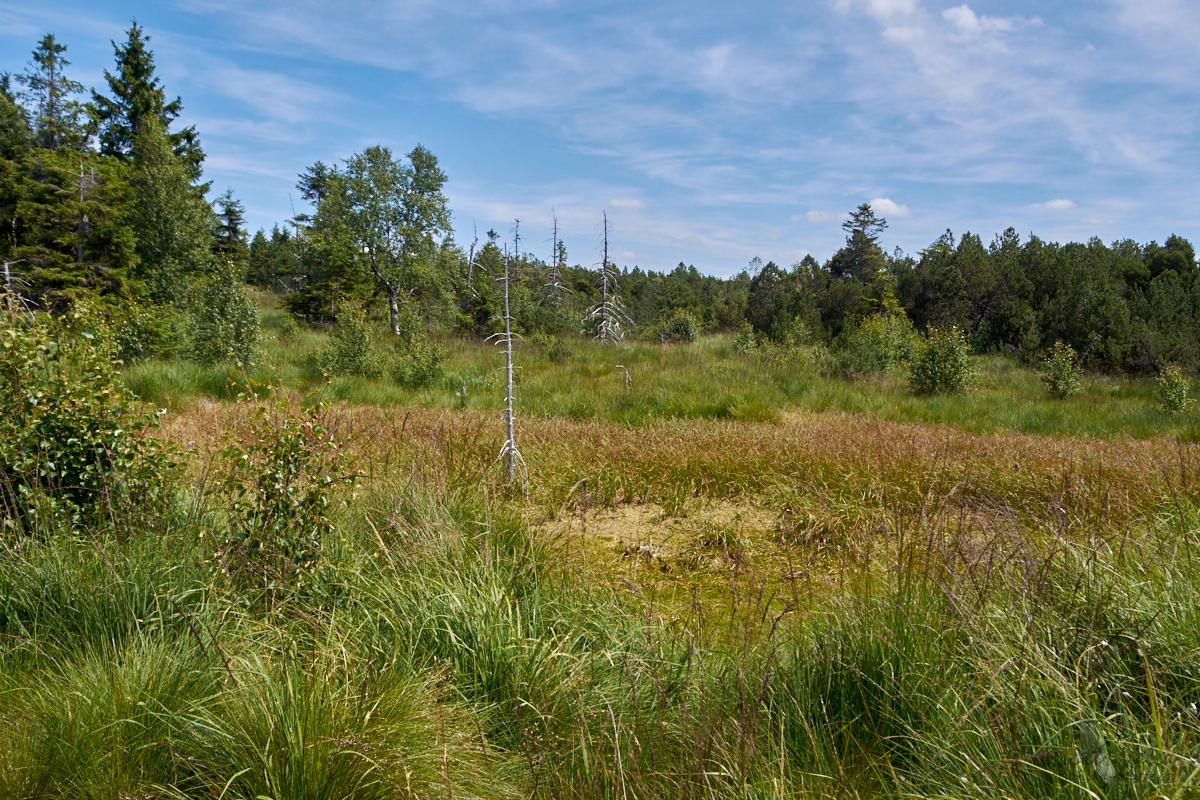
[[783, 507]]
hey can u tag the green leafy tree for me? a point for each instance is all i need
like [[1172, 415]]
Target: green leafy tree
[[878, 345], [172, 221], [279, 478], [74, 447], [352, 348], [138, 95], [398, 216], [1173, 390], [48, 90], [1061, 371]]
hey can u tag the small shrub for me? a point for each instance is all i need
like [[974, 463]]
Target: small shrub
[[745, 341], [279, 478], [942, 364], [679, 328], [73, 447], [225, 325], [557, 350], [143, 332], [879, 345], [1173, 391], [1060, 371], [416, 361], [352, 348], [286, 326]]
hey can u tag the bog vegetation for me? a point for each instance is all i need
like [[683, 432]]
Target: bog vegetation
[[887, 526]]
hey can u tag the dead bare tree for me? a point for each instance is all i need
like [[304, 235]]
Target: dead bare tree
[[509, 453], [609, 313], [554, 289]]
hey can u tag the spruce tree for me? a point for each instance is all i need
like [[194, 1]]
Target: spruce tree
[[49, 91], [136, 96], [230, 241]]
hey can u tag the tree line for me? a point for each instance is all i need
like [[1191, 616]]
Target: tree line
[[102, 200]]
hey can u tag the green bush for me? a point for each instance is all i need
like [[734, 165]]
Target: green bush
[[278, 483], [73, 447], [880, 344], [225, 322], [679, 328], [1173, 391], [745, 341], [286, 326], [1060, 371], [557, 350], [352, 348], [416, 361], [942, 364], [141, 332]]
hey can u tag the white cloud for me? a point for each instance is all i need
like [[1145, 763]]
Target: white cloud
[[969, 24], [627, 202], [882, 10], [1098, 221], [889, 208], [1059, 204], [815, 216]]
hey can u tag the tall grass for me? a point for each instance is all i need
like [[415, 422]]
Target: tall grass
[[639, 382], [446, 648], [992, 614]]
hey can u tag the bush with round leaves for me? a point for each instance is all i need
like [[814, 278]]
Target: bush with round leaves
[[880, 344], [942, 363], [416, 361], [140, 332], [1060, 371], [745, 340], [75, 448], [1173, 390], [352, 348], [679, 328], [225, 321], [280, 474]]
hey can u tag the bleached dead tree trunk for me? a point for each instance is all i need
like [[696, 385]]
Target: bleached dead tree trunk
[[609, 313], [509, 453], [554, 289]]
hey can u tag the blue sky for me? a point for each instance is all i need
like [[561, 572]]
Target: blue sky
[[711, 133]]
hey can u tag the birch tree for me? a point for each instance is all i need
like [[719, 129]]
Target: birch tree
[[399, 217]]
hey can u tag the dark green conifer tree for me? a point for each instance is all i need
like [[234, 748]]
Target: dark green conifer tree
[[136, 96]]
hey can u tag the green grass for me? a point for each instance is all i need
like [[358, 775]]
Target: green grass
[[447, 650], [637, 382], [917, 610]]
